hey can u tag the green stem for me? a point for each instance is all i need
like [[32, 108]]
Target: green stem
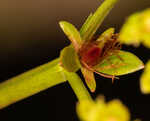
[[30, 83], [78, 86], [94, 21]]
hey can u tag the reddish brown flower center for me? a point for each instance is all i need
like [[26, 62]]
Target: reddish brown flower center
[[90, 54]]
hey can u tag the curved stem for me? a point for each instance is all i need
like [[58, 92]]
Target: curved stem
[[78, 86]]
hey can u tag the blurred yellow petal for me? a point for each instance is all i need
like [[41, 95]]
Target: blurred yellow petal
[[117, 111], [136, 29], [145, 79], [129, 33], [101, 111]]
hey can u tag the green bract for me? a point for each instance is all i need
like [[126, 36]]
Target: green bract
[[72, 33], [86, 23], [120, 63], [94, 21], [69, 59]]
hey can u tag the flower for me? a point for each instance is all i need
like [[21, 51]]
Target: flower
[[101, 55], [94, 51], [99, 110]]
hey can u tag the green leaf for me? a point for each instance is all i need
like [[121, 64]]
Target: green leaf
[[31, 82], [145, 80], [89, 79], [69, 59], [72, 33], [120, 63], [95, 21], [136, 29], [99, 110]]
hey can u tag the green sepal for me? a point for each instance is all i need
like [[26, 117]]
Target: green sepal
[[145, 80], [120, 63], [69, 59], [85, 25], [89, 79], [72, 33], [97, 18]]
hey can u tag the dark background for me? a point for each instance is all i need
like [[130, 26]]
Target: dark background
[[30, 36]]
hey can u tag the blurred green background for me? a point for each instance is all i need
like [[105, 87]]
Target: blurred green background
[[30, 36]]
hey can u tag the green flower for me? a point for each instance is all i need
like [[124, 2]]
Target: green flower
[[101, 54]]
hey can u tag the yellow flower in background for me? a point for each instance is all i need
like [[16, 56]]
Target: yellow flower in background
[[145, 80], [101, 111], [136, 29]]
